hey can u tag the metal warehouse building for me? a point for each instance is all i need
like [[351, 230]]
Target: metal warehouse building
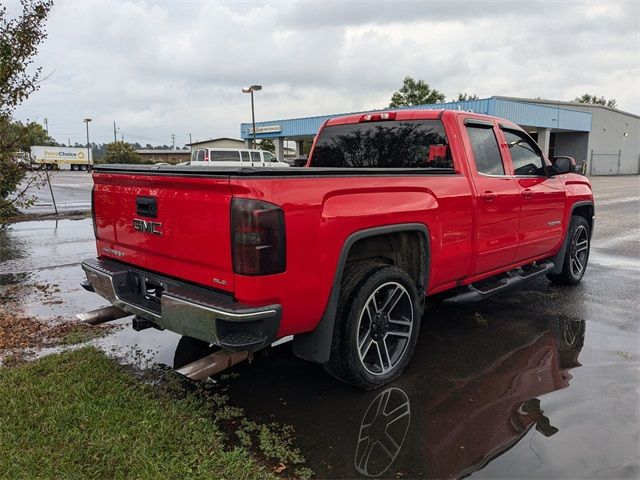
[[606, 139]]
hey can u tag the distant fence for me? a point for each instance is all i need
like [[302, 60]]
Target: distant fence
[[605, 163]]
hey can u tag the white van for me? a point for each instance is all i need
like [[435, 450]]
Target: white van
[[234, 157]]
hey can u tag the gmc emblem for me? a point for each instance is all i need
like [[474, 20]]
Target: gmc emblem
[[145, 226]]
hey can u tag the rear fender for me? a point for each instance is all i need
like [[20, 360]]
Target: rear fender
[[315, 346]]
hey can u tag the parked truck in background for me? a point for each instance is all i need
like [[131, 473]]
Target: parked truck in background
[[61, 158], [391, 207]]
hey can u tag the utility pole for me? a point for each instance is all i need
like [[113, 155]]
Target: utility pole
[[173, 141], [86, 121], [190, 142], [115, 138]]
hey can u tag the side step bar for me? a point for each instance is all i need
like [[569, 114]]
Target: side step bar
[[489, 287]]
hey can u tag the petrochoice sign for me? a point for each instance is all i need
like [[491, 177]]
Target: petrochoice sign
[[265, 129], [62, 155]]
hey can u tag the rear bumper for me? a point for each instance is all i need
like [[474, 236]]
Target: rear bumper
[[184, 308]]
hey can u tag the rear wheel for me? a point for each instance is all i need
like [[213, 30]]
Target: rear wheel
[[377, 325], [576, 255]]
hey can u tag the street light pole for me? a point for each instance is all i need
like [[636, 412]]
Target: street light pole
[[86, 121], [251, 89]]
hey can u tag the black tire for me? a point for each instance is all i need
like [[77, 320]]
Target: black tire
[[569, 337], [576, 253], [190, 349], [389, 340]]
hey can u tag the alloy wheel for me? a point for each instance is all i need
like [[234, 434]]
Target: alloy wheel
[[579, 251], [384, 330]]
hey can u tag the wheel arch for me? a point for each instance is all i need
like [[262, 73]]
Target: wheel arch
[[367, 244], [583, 209]]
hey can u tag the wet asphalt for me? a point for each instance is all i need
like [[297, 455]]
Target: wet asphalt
[[71, 192], [538, 382]]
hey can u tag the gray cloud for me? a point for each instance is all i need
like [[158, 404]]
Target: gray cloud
[[174, 67]]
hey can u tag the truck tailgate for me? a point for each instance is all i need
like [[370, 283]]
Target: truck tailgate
[[175, 225]]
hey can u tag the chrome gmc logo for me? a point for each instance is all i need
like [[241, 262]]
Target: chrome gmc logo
[[145, 226]]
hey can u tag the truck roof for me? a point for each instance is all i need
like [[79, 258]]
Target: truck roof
[[408, 114]]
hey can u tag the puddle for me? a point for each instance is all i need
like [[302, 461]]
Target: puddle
[[522, 398], [546, 385]]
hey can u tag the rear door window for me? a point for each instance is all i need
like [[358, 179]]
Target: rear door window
[[525, 154], [255, 157], [485, 149], [395, 144], [244, 156], [222, 156], [201, 155]]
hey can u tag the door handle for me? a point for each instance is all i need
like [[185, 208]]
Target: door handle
[[527, 194], [488, 196]]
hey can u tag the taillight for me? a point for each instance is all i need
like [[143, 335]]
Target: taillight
[[378, 117], [257, 237]]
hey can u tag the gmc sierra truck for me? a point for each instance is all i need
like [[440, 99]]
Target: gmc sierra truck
[[391, 207]]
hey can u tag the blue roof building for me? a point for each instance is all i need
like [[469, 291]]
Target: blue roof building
[[560, 128]]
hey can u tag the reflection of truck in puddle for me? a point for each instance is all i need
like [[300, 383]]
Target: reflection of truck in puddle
[[452, 416], [61, 158], [490, 413]]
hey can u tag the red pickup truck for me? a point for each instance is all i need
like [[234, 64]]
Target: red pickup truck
[[390, 208]]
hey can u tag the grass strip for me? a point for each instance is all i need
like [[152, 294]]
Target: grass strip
[[79, 414]]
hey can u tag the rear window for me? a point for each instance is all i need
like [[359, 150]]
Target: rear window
[[403, 144], [217, 156]]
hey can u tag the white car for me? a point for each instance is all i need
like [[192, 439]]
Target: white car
[[234, 157]]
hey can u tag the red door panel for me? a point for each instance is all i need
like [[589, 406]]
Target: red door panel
[[540, 230]]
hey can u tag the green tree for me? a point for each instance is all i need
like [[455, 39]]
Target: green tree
[[415, 92], [268, 145], [20, 38], [121, 152], [594, 100], [31, 134], [465, 97]]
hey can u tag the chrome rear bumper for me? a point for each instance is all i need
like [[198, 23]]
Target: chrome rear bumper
[[183, 308]]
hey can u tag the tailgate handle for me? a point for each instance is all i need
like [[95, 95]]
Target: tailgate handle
[[146, 207]]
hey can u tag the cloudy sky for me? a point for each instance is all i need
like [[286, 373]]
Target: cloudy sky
[[177, 67]]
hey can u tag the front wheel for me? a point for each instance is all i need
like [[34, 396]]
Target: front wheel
[[576, 254], [377, 325]]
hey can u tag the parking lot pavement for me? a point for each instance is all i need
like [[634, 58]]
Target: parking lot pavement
[[540, 381], [72, 192]]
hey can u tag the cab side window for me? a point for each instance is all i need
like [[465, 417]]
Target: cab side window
[[485, 149], [525, 154], [268, 157]]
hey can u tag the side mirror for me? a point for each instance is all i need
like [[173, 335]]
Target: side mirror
[[563, 165]]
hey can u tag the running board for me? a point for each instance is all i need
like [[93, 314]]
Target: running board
[[491, 286]]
